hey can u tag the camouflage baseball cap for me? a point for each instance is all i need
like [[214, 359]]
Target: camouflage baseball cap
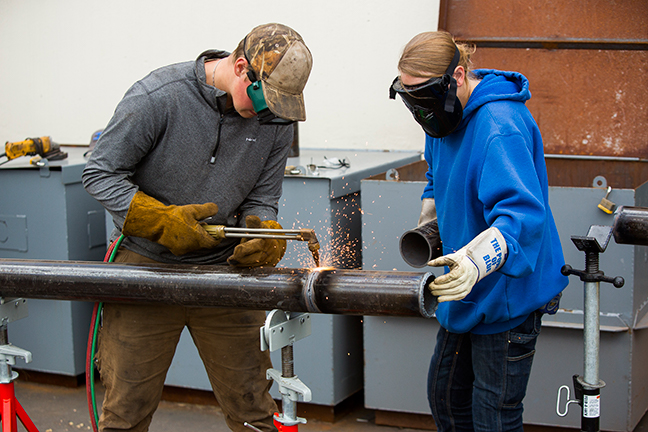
[[279, 58]]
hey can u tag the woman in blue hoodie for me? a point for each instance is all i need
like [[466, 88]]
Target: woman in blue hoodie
[[487, 188]]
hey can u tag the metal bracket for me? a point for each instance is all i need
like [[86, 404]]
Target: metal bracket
[[392, 175], [597, 239], [44, 167], [593, 244], [12, 309], [282, 329], [291, 387], [8, 354]]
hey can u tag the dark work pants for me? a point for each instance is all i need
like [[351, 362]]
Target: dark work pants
[[136, 346]]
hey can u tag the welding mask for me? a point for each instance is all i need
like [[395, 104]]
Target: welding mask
[[434, 103]]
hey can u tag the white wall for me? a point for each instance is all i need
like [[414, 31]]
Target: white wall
[[65, 64]]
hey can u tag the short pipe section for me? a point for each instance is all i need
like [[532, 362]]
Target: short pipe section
[[365, 292]]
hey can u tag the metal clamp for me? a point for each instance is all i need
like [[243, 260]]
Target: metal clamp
[[8, 354], [586, 395], [291, 387]]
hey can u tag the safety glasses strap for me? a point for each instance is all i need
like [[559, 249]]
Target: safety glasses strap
[[452, 93]]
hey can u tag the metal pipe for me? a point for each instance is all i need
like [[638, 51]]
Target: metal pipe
[[591, 334], [322, 290], [631, 225]]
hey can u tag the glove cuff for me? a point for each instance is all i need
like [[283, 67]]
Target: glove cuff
[[142, 214], [488, 251], [428, 211]]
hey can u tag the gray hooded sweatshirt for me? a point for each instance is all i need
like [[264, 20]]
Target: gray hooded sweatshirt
[[172, 138]]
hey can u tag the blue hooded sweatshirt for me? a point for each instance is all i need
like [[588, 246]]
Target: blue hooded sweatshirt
[[490, 172]]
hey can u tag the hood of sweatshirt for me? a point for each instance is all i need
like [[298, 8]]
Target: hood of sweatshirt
[[495, 85]]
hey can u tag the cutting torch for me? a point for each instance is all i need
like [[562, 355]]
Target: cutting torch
[[220, 232]]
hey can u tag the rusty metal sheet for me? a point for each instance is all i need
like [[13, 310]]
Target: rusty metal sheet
[[586, 102], [525, 20], [619, 174], [414, 171], [563, 171]]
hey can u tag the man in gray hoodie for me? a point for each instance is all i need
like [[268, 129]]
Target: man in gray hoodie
[[193, 142]]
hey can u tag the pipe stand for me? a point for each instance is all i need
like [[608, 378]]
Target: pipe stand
[[282, 330], [588, 387], [11, 410]]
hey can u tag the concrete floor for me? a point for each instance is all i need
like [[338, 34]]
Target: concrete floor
[[56, 408]]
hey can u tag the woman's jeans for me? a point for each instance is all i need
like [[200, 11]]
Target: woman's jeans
[[477, 382]]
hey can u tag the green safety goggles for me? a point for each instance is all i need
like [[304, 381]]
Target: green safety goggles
[[264, 114]]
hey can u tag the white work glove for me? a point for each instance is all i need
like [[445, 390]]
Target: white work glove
[[482, 256], [428, 211]]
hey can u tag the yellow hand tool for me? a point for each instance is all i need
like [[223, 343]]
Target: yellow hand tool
[[43, 147]]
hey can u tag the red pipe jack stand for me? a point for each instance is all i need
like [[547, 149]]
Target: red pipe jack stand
[[281, 330], [11, 310]]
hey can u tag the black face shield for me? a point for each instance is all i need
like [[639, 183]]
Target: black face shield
[[434, 103]]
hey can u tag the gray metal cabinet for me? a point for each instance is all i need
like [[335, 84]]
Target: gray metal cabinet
[[46, 214]]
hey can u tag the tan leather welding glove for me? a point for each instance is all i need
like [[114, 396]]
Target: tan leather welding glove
[[258, 252], [176, 227]]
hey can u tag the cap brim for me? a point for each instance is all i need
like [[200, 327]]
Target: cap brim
[[285, 105]]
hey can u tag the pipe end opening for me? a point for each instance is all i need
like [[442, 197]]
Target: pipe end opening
[[429, 301], [415, 249]]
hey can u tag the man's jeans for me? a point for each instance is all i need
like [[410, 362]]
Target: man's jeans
[[477, 382]]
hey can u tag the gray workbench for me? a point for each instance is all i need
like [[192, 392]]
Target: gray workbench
[[46, 214]]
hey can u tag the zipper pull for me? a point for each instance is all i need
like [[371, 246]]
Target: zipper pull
[[220, 126]]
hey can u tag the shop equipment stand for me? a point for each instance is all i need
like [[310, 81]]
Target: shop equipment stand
[[588, 387], [11, 310], [281, 330]]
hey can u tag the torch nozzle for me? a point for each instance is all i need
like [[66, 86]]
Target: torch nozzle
[[313, 246]]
